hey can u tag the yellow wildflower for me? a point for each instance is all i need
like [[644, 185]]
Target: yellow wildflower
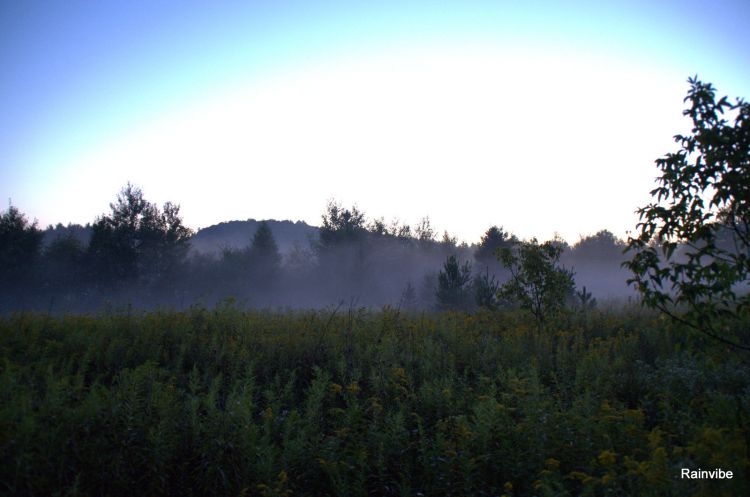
[[607, 458], [353, 388]]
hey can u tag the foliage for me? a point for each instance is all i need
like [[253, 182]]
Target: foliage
[[585, 299], [378, 227], [691, 257], [19, 245], [264, 253], [448, 242], [537, 281], [408, 300], [494, 239], [341, 225], [233, 402], [137, 239], [424, 231], [454, 288], [140, 255], [604, 246], [64, 263], [485, 290]]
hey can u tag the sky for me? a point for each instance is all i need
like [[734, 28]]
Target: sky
[[543, 117]]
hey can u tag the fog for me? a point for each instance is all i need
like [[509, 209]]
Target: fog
[[140, 256]]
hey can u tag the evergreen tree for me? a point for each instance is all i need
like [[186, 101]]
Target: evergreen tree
[[453, 285], [485, 290], [494, 239], [20, 243], [264, 255], [408, 300]]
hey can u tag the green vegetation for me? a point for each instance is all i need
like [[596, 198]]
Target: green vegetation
[[234, 402], [137, 240], [19, 245], [540, 391], [538, 282], [454, 285], [691, 257]]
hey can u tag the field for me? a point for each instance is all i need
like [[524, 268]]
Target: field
[[354, 402]]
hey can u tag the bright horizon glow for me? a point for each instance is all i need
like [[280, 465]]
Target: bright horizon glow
[[395, 133], [539, 134]]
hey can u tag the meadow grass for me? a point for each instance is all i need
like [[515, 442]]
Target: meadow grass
[[354, 402]]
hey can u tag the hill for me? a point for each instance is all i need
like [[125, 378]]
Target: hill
[[239, 234]]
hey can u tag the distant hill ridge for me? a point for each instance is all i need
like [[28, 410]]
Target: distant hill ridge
[[239, 234], [211, 240]]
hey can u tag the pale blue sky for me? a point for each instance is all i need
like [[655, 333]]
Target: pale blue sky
[[540, 116]]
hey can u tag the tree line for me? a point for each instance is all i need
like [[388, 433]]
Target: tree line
[[689, 258], [139, 254]]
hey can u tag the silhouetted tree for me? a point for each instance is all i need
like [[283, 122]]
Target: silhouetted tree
[[428, 289], [64, 264], [342, 253], [408, 300], [234, 273], [19, 247], [453, 290], [341, 225], [137, 240], [485, 290], [448, 242], [601, 247], [585, 300], [691, 257], [402, 231], [176, 236], [493, 240], [265, 259], [300, 260], [538, 283], [116, 240], [378, 227], [559, 242], [424, 231]]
